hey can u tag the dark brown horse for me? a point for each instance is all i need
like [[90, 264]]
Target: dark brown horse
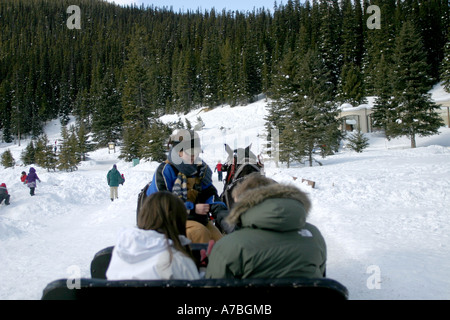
[[240, 162]]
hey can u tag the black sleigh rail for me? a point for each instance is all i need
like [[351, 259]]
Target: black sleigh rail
[[213, 290]]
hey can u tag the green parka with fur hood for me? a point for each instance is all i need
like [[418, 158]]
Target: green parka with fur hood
[[274, 239]]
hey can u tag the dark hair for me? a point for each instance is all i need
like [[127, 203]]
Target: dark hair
[[166, 213]]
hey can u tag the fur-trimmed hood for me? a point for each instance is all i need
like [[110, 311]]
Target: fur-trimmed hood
[[276, 207]]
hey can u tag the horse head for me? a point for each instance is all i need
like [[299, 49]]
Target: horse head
[[240, 156], [240, 162]]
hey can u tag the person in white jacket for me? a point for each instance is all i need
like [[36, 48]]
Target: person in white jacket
[[157, 249]]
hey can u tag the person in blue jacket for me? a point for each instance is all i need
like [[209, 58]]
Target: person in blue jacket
[[190, 178]]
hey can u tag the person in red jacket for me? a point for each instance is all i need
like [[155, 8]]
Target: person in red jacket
[[4, 194], [23, 177], [219, 170]]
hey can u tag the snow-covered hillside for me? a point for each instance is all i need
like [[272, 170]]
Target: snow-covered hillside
[[384, 213]]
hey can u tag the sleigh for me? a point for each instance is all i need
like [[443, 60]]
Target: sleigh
[[216, 291], [260, 294]]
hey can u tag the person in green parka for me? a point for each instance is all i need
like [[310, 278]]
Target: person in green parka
[[273, 239], [114, 178]]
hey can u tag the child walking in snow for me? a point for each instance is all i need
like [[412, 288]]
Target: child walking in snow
[[31, 180], [23, 177]]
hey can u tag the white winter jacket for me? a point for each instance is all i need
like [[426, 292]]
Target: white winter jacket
[[143, 255]]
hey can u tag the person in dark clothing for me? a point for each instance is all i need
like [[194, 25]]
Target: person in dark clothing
[[31, 180], [274, 240], [4, 194], [190, 178], [114, 178]]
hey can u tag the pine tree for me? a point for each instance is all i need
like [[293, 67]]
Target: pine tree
[[378, 42], [84, 106], [351, 85], [64, 150], [251, 69], [7, 159], [64, 103], [210, 72], [83, 141], [107, 112], [226, 73], [68, 154], [18, 106], [288, 144], [313, 108], [305, 33], [5, 110], [51, 159], [135, 97], [445, 68], [74, 146], [164, 61], [350, 88], [330, 38], [384, 111], [28, 155], [352, 33], [131, 148], [279, 117], [154, 142], [358, 141], [302, 110], [182, 82], [45, 156], [188, 124], [416, 112]]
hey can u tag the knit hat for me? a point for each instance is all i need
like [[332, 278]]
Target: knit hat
[[187, 141]]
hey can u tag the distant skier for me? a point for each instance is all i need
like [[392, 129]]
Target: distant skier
[[4, 194], [114, 178], [31, 180]]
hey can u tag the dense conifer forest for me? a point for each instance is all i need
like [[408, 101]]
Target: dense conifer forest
[[123, 67]]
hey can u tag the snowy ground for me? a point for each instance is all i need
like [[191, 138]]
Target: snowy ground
[[384, 213]]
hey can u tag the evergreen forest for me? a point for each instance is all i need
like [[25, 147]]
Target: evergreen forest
[[121, 68]]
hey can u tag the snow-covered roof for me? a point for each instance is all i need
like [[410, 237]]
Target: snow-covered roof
[[438, 95]]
